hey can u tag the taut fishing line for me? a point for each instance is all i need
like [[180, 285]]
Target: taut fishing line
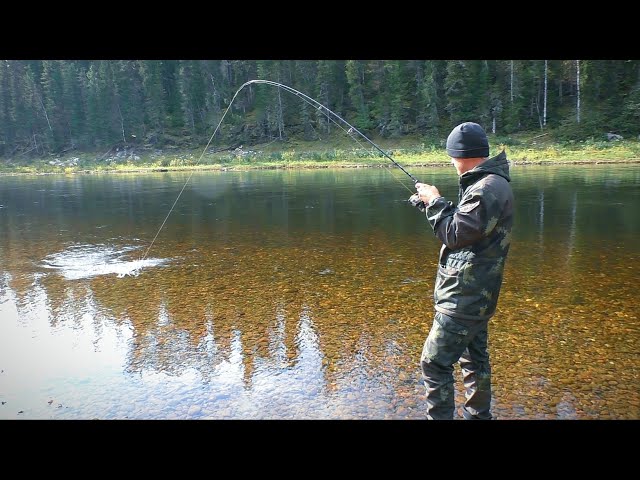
[[331, 115]]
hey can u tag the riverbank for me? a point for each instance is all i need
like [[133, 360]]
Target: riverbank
[[337, 153]]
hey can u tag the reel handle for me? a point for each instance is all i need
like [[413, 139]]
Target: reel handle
[[416, 202]]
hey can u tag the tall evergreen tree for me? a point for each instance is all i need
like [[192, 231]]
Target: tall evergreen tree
[[266, 100], [154, 99], [630, 117], [191, 95], [53, 101], [73, 99], [355, 73], [95, 109], [428, 117], [128, 98], [324, 79], [459, 101], [306, 73], [395, 87]]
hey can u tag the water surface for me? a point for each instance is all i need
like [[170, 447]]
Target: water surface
[[303, 294]]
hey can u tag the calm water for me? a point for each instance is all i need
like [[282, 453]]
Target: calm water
[[303, 294]]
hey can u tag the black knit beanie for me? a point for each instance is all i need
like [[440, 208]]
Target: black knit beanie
[[467, 140]]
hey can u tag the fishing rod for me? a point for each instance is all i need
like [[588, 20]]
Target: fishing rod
[[324, 109], [414, 200]]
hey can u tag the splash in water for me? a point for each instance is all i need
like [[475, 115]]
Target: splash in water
[[85, 261]]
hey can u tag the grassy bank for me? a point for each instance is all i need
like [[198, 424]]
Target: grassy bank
[[337, 152]]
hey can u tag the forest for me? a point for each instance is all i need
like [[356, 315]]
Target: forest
[[50, 107]]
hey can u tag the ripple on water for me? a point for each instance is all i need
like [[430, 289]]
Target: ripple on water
[[85, 261]]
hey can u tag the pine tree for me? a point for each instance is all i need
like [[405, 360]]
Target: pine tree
[[26, 108], [169, 76], [428, 117], [306, 73], [189, 102], [266, 100], [479, 92], [54, 102], [153, 99], [355, 73], [331, 88], [72, 99], [324, 80], [459, 101], [395, 88], [128, 100], [94, 109], [630, 117]]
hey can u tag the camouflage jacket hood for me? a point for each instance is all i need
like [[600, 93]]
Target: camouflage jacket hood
[[476, 235]]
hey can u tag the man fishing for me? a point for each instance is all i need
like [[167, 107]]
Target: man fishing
[[476, 235]]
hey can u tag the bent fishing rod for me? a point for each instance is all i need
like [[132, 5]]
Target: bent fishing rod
[[326, 110], [330, 114], [414, 200]]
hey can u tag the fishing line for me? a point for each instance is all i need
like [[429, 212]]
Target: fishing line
[[317, 105], [191, 174]]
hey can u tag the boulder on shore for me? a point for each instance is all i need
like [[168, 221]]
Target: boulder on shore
[[613, 136]]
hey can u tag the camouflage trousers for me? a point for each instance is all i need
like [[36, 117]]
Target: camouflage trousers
[[448, 342]]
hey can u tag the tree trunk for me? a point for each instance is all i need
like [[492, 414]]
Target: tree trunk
[[511, 94], [280, 119], [124, 139], [45, 113], [537, 102], [578, 90], [544, 110]]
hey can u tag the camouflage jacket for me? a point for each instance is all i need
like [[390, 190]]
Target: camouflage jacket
[[476, 236]]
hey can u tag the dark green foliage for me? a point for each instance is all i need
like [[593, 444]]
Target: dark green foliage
[[55, 106], [428, 105], [631, 111], [357, 81], [505, 140]]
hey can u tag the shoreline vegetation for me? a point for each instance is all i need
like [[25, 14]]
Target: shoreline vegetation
[[336, 153]]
